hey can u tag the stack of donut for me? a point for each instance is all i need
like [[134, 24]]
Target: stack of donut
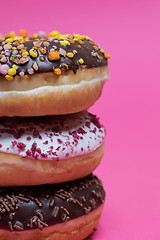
[[49, 143]]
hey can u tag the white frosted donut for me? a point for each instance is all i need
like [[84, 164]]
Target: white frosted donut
[[61, 74], [49, 149]]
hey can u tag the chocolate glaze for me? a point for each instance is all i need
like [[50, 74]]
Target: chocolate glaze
[[24, 208], [91, 57]]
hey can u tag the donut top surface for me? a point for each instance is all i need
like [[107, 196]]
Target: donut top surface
[[51, 138], [24, 208], [55, 52]]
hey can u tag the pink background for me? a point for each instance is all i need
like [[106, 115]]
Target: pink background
[[129, 106]]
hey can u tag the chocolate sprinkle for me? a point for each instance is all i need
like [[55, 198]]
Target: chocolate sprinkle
[[24, 208]]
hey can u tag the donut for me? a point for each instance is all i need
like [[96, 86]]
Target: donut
[[55, 74], [63, 211], [49, 149]]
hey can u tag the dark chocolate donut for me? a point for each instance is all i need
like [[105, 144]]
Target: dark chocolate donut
[[25, 208]]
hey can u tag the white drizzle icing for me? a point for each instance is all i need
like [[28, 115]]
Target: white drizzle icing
[[51, 138]]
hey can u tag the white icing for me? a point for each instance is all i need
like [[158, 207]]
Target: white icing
[[77, 134]]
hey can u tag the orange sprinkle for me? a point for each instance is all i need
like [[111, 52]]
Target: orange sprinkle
[[80, 41], [22, 40], [100, 57], [79, 46], [42, 50], [70, 40], [95, 47], [23, 33], [23, 50], [57, 71], [48, 36], [106, 55], [42, 58], [53, 55]]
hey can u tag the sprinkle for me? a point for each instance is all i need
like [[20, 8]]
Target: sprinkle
[[56, 212], [81, 61], [8, 40], [46, 44], [10, 226], [30, 71], [23, 60], [64, 42], [53, 55], [23, 198], [70, 55], [9, 78], [6, 207], [33, 53], [42, 58], [37, 44], [22, 40], [95, 47], [10, 35], [107, 56], [7, 47], [23, 33], [21, 74], [18, 226], [41, 34], [38, 202], [21, 46], [101, 50], [25, 53], [66, 211], [14, 67], [35, 66], [4, 69], [60, 196], [51, 203], [40, 215], [4, 60], [57, 71], [62, 52], [65, 66], [54, 33]]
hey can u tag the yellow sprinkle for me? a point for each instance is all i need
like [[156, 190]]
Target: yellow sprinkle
[[75, 39], [102, 51], [33, 53], [17, 38], [64, 42], [10, 35], [86, 37], [54, 33], [24, 54], [8, 40], [81, 61], [14, 66], [14, 48], [9, 78], [79, 37], [70, 55], [11, 71]]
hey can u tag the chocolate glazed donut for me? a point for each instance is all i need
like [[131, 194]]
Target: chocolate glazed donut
[[27, 210], [57, 75]]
